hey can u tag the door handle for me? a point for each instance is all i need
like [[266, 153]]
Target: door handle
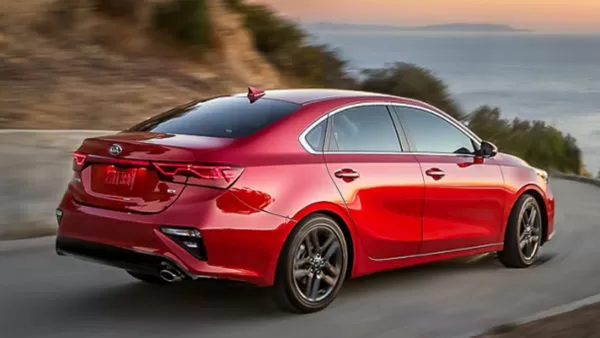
[[435, 173], [347, 174]]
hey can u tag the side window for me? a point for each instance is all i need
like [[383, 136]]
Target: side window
[[430, 133], [363, 129], [316, 136]]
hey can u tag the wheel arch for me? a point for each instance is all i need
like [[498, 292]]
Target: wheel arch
[[542, 203], [538, 194], [339, 215]]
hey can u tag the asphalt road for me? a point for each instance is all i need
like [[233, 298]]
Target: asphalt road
[[44, 295]]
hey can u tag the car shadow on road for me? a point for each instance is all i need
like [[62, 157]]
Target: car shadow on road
[[184, 301], [467, 267], [218, 301]]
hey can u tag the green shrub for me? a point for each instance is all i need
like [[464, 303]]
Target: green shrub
[[186, 21], [271, 33], [283, 43], [117, 8], [540, 145], [408, 80], [62, 17]]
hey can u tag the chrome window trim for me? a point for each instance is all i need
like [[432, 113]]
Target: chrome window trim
[[436, 253], [302, 138]]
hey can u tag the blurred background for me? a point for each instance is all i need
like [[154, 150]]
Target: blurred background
[[517, 74], [524, 75]]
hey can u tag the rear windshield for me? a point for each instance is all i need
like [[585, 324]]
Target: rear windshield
[[219, 117]]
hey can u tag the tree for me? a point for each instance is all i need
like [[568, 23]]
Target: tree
[[404, 79], [284, 44]]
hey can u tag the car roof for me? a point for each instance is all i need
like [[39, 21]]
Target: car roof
[[311, 95]]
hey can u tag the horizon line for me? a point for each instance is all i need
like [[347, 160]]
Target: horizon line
[[427, 25]]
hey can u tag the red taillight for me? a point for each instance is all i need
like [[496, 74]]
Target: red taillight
[[78, 161], [204, 175]]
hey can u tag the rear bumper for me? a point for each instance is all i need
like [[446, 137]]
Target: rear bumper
[[241, 247]]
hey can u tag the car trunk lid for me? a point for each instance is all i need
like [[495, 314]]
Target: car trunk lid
[[145, 172]]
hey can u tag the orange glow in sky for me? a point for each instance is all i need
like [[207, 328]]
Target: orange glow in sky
[[540, 15]]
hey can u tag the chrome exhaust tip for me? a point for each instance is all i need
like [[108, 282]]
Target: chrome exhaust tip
[[170, 275]]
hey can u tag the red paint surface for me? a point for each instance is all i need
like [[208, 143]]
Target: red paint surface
[[396, 214]]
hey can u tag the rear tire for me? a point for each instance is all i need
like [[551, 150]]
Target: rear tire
[[150, 279], [312, 266], [523, 238]]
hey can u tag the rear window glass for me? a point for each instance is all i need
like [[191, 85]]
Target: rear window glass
[[230, 117]]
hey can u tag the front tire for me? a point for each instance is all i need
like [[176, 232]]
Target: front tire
[[312, 266], [523, 238]]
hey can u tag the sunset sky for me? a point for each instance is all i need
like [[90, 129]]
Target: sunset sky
[[540, 15]]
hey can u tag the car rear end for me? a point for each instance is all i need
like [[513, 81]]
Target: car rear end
[[158, 197]]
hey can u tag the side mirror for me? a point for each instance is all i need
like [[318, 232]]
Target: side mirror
[[487, 149]]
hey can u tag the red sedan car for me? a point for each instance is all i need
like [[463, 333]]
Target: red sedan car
[[299, 190]]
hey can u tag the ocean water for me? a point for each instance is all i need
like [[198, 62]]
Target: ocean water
[[555, 78]]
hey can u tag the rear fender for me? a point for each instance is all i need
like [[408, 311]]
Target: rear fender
[[327, 208]]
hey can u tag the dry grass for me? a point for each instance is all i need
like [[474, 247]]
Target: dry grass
[[62, 65]]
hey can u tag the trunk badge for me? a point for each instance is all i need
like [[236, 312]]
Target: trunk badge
[[115, 149]]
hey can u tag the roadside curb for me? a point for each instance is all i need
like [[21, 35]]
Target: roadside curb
[[29, 243], [554, 311], [576, 178]]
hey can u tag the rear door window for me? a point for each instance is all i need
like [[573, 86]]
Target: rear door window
[[229, 117], [364, 129]]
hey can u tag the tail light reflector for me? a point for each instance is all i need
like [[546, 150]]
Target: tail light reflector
[[78, 161], [189, 238]]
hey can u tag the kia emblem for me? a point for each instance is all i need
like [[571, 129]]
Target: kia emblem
[[115, 149]]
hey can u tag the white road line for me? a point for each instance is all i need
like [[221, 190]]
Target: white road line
[[562, 309]]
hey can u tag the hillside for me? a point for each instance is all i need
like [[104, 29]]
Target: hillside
[[63, 65]]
